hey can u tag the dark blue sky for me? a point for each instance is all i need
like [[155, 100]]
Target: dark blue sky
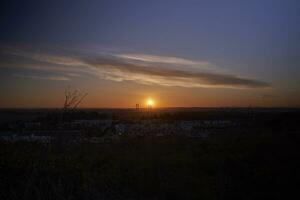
[[256, 39]]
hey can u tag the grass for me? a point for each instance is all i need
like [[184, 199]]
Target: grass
[[255, 166]]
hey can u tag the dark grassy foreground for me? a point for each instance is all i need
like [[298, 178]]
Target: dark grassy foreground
[[256, 166]]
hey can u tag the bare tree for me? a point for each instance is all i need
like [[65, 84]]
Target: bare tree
[[73, 98]]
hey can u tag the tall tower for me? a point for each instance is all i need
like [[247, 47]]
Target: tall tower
[[137, 107]]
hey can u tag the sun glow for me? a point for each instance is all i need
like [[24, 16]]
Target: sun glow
[[150, 103]]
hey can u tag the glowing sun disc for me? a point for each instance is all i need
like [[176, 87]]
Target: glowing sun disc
[[150, 102]]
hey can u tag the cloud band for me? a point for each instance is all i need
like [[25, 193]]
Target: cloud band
[[140, 68]]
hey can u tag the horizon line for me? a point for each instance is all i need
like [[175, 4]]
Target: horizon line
[[154, 108]]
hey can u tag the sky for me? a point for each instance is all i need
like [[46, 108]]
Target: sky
[[187, 53]]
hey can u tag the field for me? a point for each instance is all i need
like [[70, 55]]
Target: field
[[244, 154]]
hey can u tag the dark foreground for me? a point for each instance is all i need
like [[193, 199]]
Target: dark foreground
[[255, 162]]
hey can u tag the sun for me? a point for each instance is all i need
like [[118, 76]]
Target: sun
[[150, 103]]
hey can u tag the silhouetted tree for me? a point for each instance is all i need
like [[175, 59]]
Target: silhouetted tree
[[73, 98]]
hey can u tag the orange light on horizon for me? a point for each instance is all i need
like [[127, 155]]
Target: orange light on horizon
[[150, 103]]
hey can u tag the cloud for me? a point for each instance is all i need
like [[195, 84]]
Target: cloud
[[119, 70], [140, 68], [160, 59], [73, 74], [52, 78]]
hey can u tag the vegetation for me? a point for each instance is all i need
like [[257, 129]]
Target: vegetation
[[260, 165]]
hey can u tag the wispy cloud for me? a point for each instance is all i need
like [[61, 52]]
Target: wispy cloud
[[52, 78], [161, 59], [140, 68]]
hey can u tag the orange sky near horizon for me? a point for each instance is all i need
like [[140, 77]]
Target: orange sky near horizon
[[128, 94]]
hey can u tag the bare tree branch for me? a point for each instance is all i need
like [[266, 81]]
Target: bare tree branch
[[73, 98]]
